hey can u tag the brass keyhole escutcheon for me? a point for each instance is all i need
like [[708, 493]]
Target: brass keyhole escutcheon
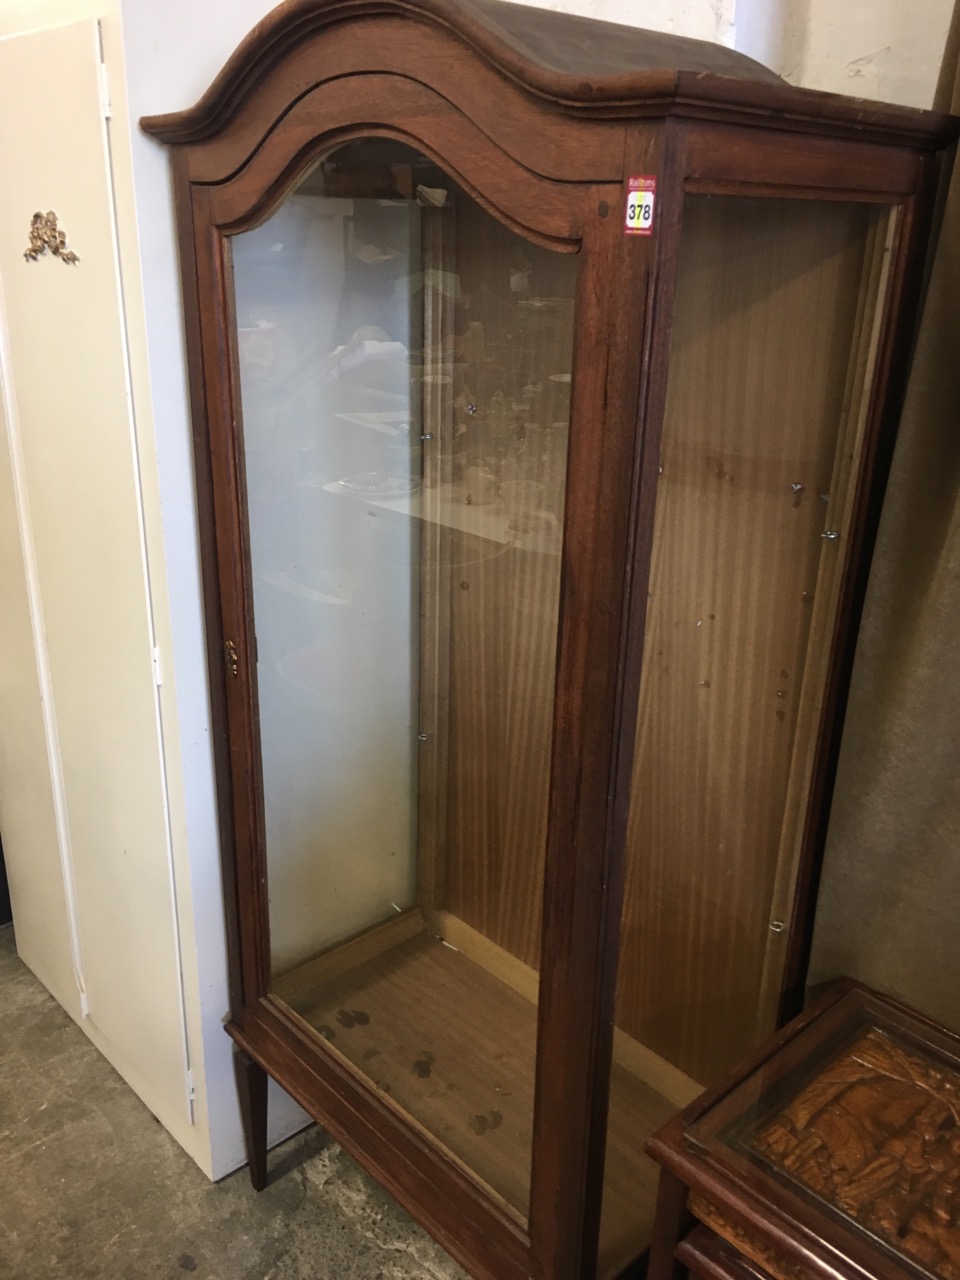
[[233, 662]]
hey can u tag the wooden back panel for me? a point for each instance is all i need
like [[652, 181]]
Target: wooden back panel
[[768, 297], [512, 357]]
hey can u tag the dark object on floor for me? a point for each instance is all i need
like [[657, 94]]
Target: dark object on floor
[[6, 911]]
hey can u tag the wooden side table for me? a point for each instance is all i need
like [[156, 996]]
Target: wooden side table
[[834, 1154]]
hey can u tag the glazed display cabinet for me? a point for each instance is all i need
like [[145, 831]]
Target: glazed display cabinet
[[544, 377]]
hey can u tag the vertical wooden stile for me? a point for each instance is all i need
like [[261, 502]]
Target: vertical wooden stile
[[838, 517], [437, 247]]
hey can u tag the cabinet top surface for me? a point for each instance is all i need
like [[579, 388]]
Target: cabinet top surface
[[583, 66], [569, 44], [858, 1117]]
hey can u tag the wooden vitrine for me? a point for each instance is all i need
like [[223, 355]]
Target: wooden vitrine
[[544, 375]]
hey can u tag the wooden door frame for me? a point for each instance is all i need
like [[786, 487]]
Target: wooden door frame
[[582, 216]]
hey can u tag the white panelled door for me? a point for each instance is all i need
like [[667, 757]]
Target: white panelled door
[[82, 793]]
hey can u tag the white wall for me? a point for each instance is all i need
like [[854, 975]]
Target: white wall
[[171, 53], [337, 749], [699, 19], [883, 49]]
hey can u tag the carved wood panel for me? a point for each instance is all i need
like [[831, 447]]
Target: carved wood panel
[[877, 1135]]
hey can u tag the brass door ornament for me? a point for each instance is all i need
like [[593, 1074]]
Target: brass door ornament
[[44, 235]]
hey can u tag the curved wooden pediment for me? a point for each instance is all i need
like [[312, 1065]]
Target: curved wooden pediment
[[559, 56], [351, 60], [587, 69], [408, 112]]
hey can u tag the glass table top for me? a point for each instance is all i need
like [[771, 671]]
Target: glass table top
[[859, 1116]]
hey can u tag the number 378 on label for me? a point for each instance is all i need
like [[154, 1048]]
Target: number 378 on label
[[641, 196]]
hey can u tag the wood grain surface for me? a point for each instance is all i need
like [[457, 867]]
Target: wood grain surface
[[752, 1244], [876, 1134], [511, 363], [455, 1047], [708, 1256], [767, 301]]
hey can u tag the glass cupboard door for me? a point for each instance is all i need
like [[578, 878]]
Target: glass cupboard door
[[405, 365], [773, 348]]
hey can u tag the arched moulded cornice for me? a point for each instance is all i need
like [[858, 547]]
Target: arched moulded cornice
[[533, 208], [582, 66]]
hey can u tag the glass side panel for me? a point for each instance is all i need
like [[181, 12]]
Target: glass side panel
[[773, 348], [405, 373]]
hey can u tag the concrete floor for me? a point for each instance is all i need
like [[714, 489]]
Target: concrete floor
[[93, 1188]]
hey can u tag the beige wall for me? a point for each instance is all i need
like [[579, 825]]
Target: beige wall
[[871, 48], [890, 890], [882, 49]]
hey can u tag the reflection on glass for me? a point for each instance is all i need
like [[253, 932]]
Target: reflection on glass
[[405, 374], [772, 352]]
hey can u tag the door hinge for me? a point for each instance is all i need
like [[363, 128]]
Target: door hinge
[[157, 668], [191, 1095], [105, 92]]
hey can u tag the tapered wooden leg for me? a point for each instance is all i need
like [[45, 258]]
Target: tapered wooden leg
[[252, 1091], [671, 1222]]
